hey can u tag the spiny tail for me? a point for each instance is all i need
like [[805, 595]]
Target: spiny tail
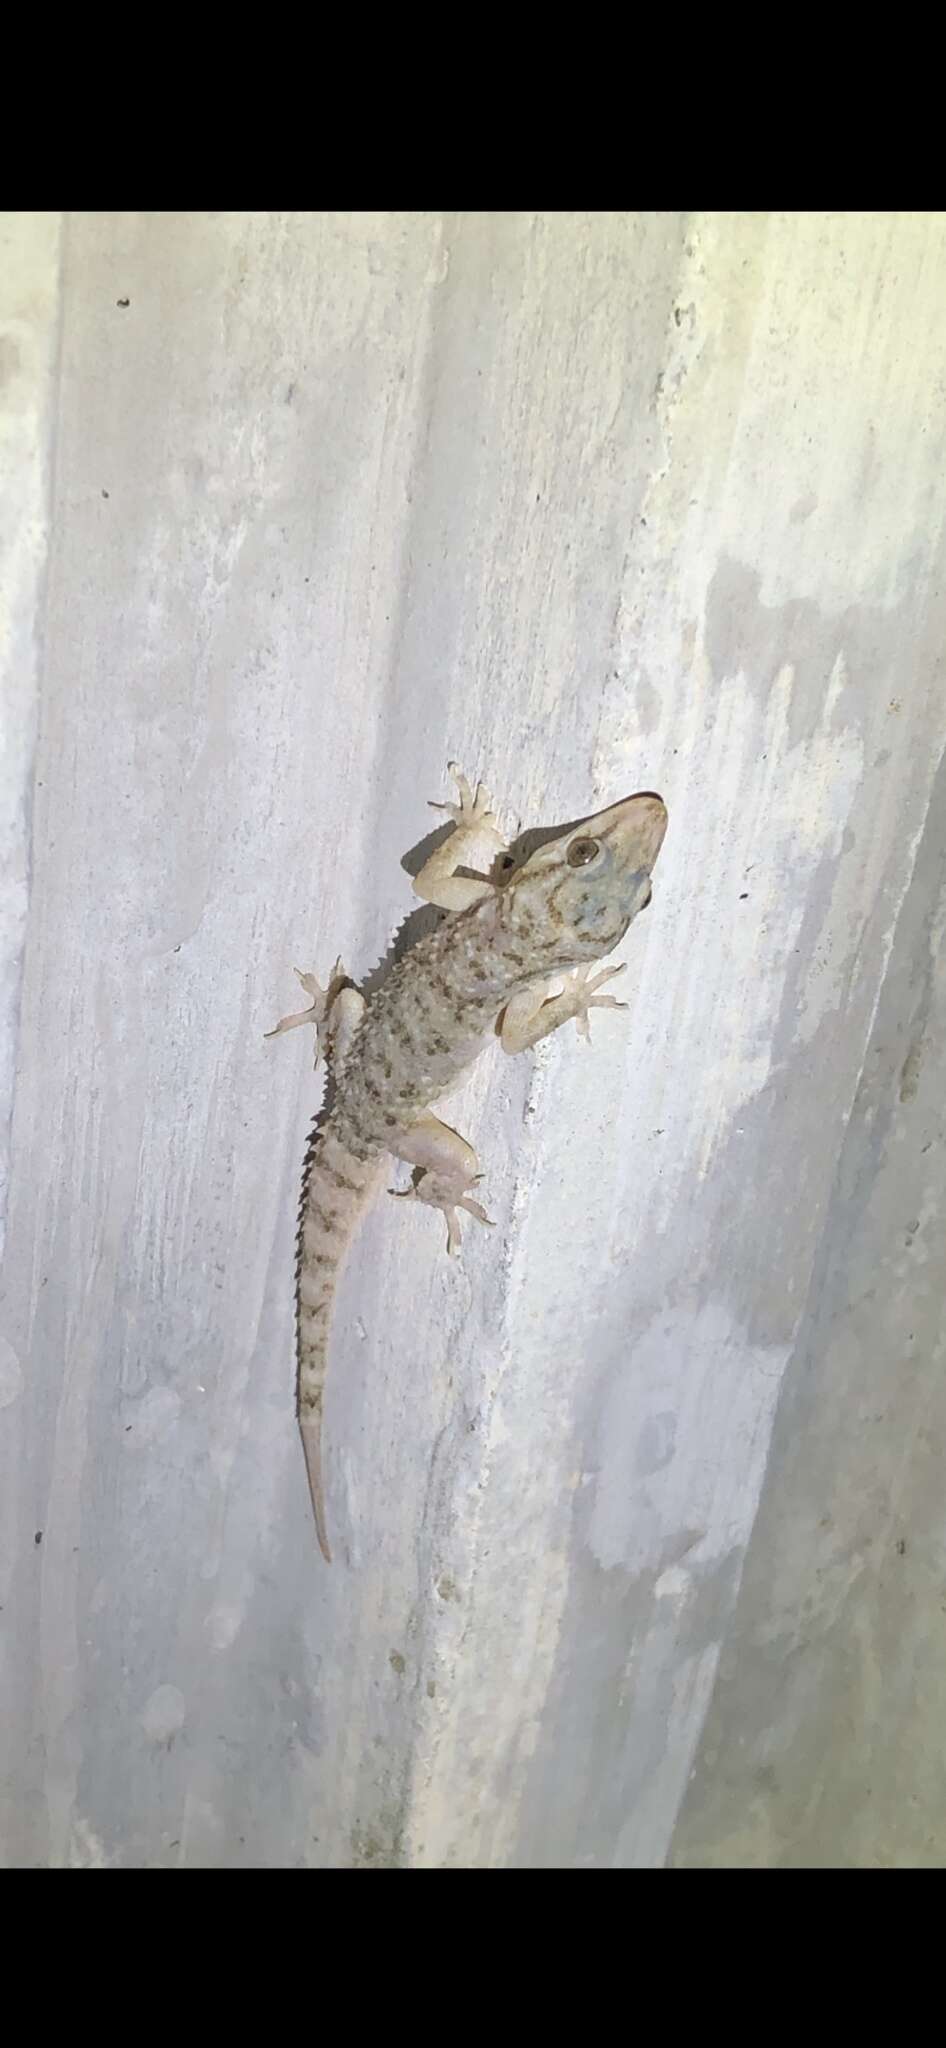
[[336, 1189]]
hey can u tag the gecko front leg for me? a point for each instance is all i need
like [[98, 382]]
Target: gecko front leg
[[530, 1016], [448, 1169], [474, 843]]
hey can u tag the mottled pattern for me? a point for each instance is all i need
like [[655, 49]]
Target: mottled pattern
[[432, 1017]]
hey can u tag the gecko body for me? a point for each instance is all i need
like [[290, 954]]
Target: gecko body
[[514, 925]]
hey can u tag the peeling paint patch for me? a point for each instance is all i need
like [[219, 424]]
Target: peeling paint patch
[[86, 1849], [696, 1369], [164, 1713]]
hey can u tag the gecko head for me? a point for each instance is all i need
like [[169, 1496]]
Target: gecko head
[[575, 896]]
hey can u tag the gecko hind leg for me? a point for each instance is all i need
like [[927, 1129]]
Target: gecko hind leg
[[336, 1011], [446, 1168]]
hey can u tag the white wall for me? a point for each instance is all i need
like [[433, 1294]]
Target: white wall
[[593, 503]]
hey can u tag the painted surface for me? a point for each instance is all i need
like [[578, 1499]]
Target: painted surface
[[591, 503]]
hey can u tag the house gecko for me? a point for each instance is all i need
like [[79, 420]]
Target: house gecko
[[516, 924]]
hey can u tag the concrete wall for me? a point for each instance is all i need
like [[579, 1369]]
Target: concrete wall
[[637, 1513]]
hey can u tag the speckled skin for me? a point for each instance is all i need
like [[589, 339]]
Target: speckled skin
[[512, 927]]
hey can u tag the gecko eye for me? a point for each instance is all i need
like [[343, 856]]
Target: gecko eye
[[581, 851], [506, 860], [647, 900]]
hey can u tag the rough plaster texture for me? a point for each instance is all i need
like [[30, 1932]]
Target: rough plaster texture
[[824, 1744], [592, 503]]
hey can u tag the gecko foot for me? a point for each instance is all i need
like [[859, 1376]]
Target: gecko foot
[[317, 1013], [473, 809], [587, 997], [448, 1192]]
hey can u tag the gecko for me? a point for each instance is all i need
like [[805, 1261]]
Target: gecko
[[512, 955]]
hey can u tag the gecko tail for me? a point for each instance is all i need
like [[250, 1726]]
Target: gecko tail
[[310, 1428], [337, 1189]]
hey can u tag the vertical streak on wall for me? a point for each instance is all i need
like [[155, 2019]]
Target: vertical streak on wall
[[29, 299]]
